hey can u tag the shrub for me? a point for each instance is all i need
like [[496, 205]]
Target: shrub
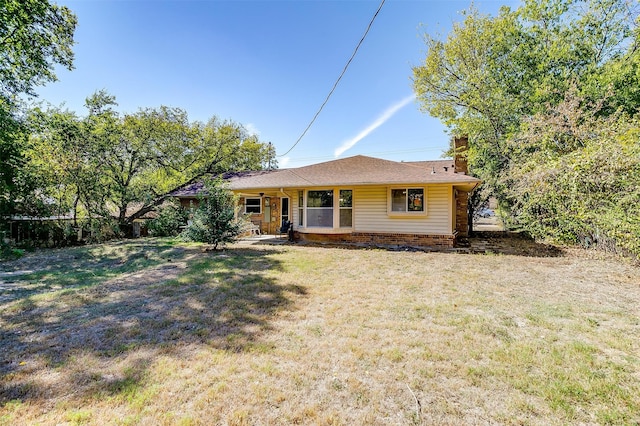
[[171, 218], [8, 252], [578, 179], [214, 221]]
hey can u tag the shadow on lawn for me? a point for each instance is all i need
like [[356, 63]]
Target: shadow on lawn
[[485, 242], [222, 300], [510, 243], [72, 268]]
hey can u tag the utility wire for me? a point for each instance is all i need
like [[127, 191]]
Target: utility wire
[[344, 70]]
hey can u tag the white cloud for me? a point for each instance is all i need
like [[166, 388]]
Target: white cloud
[[386, 115], [252, 129], [283, 161]]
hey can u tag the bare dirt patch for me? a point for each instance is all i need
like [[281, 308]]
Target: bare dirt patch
[[168, 334]]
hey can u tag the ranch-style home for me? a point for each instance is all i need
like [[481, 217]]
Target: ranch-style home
[[358, 200]]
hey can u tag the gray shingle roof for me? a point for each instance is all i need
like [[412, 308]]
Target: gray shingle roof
[[358, 170], [351, 171]]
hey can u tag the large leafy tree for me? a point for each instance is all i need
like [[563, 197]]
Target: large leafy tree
[[490, 72], [128, 164], [548, 61], [35, 35], [11, 145], [60, 150]]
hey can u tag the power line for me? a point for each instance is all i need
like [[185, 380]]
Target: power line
[[344, 70]]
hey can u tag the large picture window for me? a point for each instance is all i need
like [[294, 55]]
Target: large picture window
[[253, 205], [407, 200], [320, 209]]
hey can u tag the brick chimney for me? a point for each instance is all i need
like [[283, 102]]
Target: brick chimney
[[460, 145], [463, 219]]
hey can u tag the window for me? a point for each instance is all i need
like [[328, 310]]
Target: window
[[407, 200], [301, 208], [320, 209], [331, 209], [253, 205], [284, 206], [346, 208]]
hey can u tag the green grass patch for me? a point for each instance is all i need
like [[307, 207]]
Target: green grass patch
[[569, 376], [78, 417]]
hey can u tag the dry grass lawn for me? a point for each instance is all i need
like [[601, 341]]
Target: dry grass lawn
[[156, 332]]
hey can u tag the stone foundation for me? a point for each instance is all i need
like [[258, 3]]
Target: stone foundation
[[376, 238]]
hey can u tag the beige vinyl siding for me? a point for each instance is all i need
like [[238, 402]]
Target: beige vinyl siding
[[293, 194], [370, 212]]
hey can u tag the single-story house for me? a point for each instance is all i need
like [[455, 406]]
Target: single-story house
[[360, 199]]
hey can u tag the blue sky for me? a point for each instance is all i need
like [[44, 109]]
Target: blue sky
[[268, 65]]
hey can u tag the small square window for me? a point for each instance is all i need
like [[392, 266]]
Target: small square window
[[407, 200], [253, 205]]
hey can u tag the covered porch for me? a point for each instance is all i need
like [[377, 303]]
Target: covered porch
[[267, 210]]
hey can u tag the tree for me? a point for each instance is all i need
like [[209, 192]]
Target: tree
[[214, 221], [35, 35], [533, 88], [170, 220], [159, 151], [12, 138], [490, 72], [128, 164], [579, 180], [60, 153]]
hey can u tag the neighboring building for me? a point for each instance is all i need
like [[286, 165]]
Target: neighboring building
[[359, 199]]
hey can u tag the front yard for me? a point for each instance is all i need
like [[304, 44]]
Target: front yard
[[159, 332]]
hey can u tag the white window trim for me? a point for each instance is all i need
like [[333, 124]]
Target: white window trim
[[390, 212], [259, 205]]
